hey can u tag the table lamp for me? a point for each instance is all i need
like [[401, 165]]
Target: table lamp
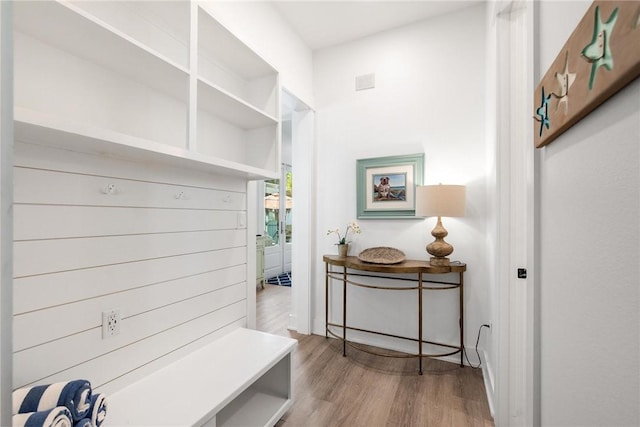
[[440, 200]]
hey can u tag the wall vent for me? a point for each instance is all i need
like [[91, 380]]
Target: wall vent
[[365, 81]]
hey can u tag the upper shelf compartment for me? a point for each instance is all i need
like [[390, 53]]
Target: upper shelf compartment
[[226, 62], [231, 109], [72, 66], [73, 30], [162, 26], [135, 79]]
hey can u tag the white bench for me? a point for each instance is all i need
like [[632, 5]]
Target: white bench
[[242, 379]]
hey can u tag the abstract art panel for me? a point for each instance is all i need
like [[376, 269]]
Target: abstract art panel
[[601, 56]]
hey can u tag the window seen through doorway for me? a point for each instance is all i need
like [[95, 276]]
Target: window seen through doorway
[[273, 219]]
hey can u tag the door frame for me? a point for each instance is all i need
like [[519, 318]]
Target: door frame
[[303, 218], [517, 391], [6, 211]]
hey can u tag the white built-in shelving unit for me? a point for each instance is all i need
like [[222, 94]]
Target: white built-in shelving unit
[[159, 81], [252, 386]]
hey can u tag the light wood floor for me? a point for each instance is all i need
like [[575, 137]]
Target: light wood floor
[[366, 390]]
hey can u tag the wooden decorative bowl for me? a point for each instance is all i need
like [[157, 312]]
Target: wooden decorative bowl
[[382, 255]]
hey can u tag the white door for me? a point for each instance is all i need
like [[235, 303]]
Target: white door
[[278, 206]]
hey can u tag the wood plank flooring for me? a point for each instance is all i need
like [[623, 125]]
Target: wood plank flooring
[[366, 390]]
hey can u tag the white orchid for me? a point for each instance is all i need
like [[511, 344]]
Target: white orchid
[[342, 239]]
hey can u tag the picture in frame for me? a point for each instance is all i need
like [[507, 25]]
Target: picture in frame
[[386, 186]]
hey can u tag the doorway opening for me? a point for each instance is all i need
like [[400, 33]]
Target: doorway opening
[[286, 216], [278, 226]]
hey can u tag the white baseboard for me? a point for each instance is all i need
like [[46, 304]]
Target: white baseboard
[[317, 328], [293, 323], [489, 384]]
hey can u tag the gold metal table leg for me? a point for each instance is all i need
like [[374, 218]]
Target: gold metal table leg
[[420, 322], [344, 312]]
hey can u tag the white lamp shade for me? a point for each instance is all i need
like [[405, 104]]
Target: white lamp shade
[[440, 200]]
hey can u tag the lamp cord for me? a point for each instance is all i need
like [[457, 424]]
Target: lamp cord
[[477, 352]]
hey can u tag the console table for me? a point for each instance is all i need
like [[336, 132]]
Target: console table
[[344, 269]]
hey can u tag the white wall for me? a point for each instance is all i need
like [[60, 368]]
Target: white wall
[[264, 30], [429, 98], [175, 268], [590, 252], [287, 155]]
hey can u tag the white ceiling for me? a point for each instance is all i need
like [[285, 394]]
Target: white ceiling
[[325, 23]]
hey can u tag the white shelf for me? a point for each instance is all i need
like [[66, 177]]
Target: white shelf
[[243, 378], [228, 107], [114, 78], [219, 44], [37, 128], [226, 62], [161, 26], [253, 408], [72, 30]]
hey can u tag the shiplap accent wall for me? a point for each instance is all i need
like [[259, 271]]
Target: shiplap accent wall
[[168, 247]]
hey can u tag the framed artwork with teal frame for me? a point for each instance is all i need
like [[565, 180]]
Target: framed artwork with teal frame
[[386, 186]]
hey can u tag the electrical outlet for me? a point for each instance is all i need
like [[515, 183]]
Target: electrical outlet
[[110, 323]]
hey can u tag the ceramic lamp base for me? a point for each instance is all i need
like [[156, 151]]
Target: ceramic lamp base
[[439, 249], [439, 261]]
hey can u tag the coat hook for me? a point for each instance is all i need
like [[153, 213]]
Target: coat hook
[[181, 195], [110, 189], [226, 198]]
